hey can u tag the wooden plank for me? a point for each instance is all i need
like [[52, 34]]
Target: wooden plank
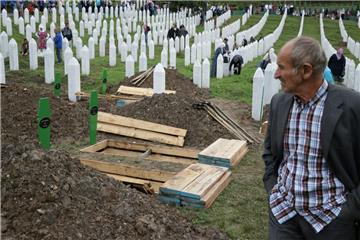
[[215, 191], [200, 186], [107, 96], [153, 184], [96, 147], [139, 133], [153, 157], [140, 124], [127, 170], [223, 149], [140, 91], [239, 157], [169, 200], [164, 150], [178, 182]]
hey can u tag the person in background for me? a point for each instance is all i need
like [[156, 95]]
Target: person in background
[[312, 150], [183, 31], [226, 48], [337, 65], [236, 62], [146, 29], [42, 37], [173, 32], [328, 75], [67, 33], [58, 44], [25, 47], [218, 51]]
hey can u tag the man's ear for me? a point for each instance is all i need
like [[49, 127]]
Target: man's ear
[[307, 70]]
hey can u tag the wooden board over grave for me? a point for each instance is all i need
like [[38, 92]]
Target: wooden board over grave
[[137, 91], [135, 128], [198, 185], [224, 152], [136, 163]]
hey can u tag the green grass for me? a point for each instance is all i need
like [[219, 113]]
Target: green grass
[[312, 27], [332, 33], [352, 29]]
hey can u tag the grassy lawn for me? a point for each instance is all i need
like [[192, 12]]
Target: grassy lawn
[[352, 29]]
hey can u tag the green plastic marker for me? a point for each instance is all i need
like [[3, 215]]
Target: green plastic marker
[[104, 80], [44, 114], [57, 86], [93, 108]]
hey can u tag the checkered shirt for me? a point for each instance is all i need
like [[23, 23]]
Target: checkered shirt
[[305, 185]]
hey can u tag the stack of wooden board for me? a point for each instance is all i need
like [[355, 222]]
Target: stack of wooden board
[[135, 128], [224, 152], [198, 186], [137, 91], [148, 165]]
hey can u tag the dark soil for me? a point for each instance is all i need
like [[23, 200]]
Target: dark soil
[[52, 196]]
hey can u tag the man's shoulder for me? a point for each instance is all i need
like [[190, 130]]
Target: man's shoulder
[[348, 95]]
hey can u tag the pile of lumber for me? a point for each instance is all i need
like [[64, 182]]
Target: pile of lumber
[[197, 186], [138, 92], [224, 152], [227, 122], [138, 80], [135, 128]]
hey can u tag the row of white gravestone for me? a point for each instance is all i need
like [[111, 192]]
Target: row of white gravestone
[[201, 74], [354, 47], [253, 30], [265, 86], [222, 18]]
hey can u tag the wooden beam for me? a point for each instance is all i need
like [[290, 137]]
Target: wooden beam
[[140, 91], [153, 157], [153, 184], [127, 170], [139, 133], [140, 124], [215, 191], [164, 150], [96, 147]]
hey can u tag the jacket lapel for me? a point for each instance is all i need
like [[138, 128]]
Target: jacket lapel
[[331, 114], [282, 116]]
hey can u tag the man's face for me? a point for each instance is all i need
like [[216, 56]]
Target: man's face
[[290, 78]]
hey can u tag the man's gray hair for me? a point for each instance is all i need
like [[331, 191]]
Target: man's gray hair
[[308, 50]]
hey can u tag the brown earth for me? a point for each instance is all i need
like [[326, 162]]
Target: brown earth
[[50, 195]]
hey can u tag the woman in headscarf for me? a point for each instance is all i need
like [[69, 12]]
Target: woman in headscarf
[[337, 65], [42, 36], [218, 51]]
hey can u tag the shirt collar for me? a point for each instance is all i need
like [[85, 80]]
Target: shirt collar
[[318, 95]]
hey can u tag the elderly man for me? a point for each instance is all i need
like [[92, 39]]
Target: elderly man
[[312, 150]]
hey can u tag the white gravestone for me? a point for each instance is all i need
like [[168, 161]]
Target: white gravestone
[[123, 52], [16, 16], [197, 73], [199, 52], [159, 79], [73, 79], [2, 70], [134, 50], [33, 24], [172, 63], [219, 67], [28, 32], [129, 65], [164, 58], [68, 55], [151, 49], [193, 53], [33, 54], [13, 55], [9, 27], [257, 94], [112, 55], [182, 43], [85, 60], [187, 56], [21, 26], [81, 27], [49, 66], [78, 46], [4, 44], [142, 62], [177, 44], [102, 46], [205, 80], [91, 45]]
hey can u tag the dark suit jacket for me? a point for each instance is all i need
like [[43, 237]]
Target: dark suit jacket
[[339, 139]]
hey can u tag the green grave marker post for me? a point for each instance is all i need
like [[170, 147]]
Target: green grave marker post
[[57, 86], [44, 122], [93, 108], [104, 81]]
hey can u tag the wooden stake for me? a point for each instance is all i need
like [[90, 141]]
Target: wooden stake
[[44, 121], [93, 108]]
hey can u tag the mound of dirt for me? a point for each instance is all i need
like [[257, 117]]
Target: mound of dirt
[[52, 196]]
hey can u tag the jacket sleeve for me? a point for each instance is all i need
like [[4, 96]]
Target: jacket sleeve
[[268, 157]]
